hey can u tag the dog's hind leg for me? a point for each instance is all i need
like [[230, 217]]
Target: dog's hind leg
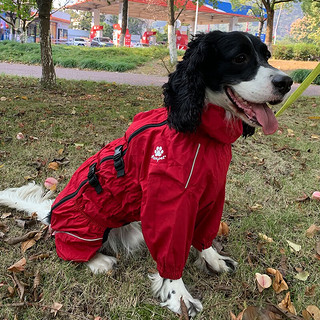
[[171, 291], [211, 261], [128, 238], [101, 263]]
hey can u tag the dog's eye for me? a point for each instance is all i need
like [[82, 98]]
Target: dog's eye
[[240, 58]]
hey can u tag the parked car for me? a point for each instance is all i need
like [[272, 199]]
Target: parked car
[[101, 42], [79, 42]]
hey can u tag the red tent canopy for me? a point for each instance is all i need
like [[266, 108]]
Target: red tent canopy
[[157, 10]]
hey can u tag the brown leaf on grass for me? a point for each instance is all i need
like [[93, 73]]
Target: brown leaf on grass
[[22, 238], [265, 238], [20, 285], [278, 284], [234, 317], [223, 229], [256, 313], [184, 311], [19, 266], [25, 245], [3, 227], [312, 231], [30, 242], [39, 256], [287, 305], [53, 166], [310, 291], [314, 312], [11, 291], [283, 268], [306, 315], [55, 308], [36, 284]]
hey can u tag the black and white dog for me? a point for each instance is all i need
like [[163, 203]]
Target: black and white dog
[[224, 82]]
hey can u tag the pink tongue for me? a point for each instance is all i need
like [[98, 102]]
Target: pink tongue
[[266, 118]]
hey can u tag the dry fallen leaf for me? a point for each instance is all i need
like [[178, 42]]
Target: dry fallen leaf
[[310, 291], [53, 166], [234, 317], [27, 245], [263, 281], [287, 305], [312, 231], [184, 310], [294, 246], [56, 307], [278, 284], [223, 229], [265, 238], [19, 266], [314, 312]]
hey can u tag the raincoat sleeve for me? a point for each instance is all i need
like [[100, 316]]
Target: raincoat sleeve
[[168, 215]]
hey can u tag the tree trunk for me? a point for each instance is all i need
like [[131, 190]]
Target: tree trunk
[[48, 77], [172, 41], [124, 23], [261, 23], [269, 31]]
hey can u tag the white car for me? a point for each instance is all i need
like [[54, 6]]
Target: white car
[[79, 42]]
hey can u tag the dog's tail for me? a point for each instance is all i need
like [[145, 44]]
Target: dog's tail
[[29, 198]]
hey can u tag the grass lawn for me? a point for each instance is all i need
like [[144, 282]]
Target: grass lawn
[[266, 177]]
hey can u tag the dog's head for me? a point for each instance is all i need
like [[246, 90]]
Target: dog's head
[[230, 70]]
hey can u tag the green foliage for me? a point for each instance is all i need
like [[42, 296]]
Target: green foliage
[[300, 74], [299, 51], [306, 29], [22, 8], [109, 59]]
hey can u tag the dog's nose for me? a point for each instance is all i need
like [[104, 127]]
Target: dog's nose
[[282, 83]]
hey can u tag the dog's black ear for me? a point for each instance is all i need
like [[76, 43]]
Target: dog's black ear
[[247, 130], [184, 93]]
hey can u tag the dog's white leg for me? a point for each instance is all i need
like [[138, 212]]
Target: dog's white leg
[[211, 261], [128, 237], [170, 292], [101, 263]]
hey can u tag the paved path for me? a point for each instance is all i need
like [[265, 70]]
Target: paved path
[[117, 77]]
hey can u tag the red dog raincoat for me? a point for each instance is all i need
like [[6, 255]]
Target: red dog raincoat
[[173, 182]]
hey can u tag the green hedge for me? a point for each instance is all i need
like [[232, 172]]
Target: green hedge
[[300, 74], [109, 59], [299, 51]]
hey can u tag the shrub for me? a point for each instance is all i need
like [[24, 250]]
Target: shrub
[[300, 74], [299, 51]]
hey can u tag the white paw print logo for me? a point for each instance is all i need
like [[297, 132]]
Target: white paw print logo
[[158, 152]]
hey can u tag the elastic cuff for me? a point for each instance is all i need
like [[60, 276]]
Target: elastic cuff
[[202, 246], [172, 275]]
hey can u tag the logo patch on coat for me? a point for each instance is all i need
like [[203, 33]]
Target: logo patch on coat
[[158, 154]]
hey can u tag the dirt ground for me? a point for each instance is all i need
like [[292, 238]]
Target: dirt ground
[[289, 65]]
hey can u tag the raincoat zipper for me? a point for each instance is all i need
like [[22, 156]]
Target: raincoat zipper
[[134, 134]]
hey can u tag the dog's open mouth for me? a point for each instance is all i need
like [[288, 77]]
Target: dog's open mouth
[[256, 114]]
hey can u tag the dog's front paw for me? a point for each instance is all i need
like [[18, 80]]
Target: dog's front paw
[[212, 262], [171, 291], [101, 263]]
